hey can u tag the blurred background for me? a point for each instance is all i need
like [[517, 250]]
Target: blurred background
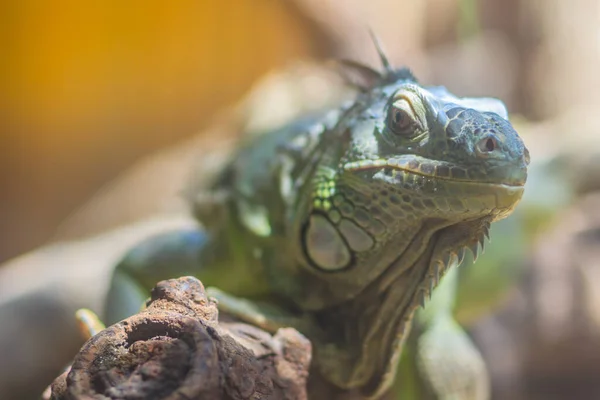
[[106, 107]]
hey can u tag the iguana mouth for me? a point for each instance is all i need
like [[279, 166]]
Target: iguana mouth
[[440, 170]]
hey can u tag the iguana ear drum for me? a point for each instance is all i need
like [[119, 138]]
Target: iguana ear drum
[[324, 246]]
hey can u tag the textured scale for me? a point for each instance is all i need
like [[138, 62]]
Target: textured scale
[[348, 221], [366, 216]]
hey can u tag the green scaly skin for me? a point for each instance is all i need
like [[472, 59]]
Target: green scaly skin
[[343, 228], [468, 293]]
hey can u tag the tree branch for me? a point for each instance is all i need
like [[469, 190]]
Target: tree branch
[[178, 349]]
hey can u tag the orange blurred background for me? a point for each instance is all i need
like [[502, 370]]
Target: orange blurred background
[[87, 88]]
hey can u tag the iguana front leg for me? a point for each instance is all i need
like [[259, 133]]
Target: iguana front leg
[[441, 362], [447, 361]]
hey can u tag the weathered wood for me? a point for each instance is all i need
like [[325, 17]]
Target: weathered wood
[[178, 349]]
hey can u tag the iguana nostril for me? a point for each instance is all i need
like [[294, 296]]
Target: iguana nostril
[[487, 145]]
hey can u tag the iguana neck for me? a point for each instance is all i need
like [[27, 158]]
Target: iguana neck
[[380, 316]]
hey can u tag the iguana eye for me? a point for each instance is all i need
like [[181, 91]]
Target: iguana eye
[[400, 121]]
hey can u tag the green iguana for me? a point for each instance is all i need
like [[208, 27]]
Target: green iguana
[[342, 225]]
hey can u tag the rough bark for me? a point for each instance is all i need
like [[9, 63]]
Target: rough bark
[[178, 349]]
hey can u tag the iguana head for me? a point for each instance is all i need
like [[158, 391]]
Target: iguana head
[[407, 179], [409, 156], [444, 160]]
